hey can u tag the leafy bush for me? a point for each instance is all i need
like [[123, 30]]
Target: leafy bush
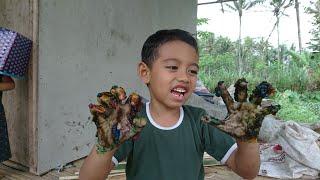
[[298, 107], [298, 72], [296, 76]]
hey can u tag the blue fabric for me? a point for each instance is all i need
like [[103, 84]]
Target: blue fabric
[[15, 52], [5, 152]]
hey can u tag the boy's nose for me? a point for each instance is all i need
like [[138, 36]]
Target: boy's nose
[[183, 77]]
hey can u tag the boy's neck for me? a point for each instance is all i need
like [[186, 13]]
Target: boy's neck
[[164, 116]]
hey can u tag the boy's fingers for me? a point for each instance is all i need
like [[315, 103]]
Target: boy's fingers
[[116, 121]]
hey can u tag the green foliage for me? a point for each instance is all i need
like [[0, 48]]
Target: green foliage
[[293, 75], [298, 72], [315, 12], [211, 45], [296, 76], [241, 5], [314, 70], [202, 21], [215, 67], [280, 6], [299, 107]]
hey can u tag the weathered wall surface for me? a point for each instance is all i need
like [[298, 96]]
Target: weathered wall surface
[[17, 15], [86, 47]]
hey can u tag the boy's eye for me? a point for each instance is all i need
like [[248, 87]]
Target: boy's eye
[[193, 71], [172, 67]]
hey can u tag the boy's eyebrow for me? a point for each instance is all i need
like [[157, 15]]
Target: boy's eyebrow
[[174, 59], [195, 64], [170, 59]]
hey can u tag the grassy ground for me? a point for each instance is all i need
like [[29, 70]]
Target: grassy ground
[[299, 107]]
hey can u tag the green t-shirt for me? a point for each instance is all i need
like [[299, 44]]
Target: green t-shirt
[[174, 153]]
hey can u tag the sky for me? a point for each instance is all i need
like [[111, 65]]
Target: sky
[[257, 22]]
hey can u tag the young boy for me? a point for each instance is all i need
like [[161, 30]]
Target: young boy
[[172, 144]]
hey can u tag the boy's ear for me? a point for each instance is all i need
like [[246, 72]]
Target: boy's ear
[[144, 72]]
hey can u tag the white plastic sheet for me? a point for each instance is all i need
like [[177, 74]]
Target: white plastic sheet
[[291, 150]]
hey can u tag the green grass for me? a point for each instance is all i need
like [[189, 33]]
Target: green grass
[[299, 107]]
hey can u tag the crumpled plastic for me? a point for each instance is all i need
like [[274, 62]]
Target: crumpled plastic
[[290, 151]]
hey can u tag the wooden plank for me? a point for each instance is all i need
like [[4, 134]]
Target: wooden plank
[[14, 174], [219, 172], [60, 174], [69, 177], [73, 166], [10, 173], [33, 90], [15, 165]]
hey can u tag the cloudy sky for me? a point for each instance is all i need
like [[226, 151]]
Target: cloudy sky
[[257, 22]]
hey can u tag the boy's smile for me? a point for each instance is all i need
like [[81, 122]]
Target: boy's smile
[[179, 92], [173, 75]]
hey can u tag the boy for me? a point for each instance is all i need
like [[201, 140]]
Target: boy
[[172, 144]]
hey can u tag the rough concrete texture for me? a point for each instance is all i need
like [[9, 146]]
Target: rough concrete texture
[[85, 47]]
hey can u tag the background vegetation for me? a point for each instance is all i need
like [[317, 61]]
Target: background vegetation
[[295, 72]]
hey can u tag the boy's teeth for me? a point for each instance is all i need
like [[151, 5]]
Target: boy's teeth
[[179, 90]]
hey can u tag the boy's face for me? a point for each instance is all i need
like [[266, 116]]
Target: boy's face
[[173, 75]]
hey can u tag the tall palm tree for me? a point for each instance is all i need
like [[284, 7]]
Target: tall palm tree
[[296, 5], [240, 6], [279, 8]]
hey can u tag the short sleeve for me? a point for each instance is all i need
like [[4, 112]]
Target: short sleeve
[[217, 143], [122, 152]]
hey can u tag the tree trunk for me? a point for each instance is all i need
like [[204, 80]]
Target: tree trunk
[[239, 50], [278, 34], [298, 24]]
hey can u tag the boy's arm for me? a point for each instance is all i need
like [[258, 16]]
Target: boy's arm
[[7, 83], [97, 166], [245, 160], [108, 115]]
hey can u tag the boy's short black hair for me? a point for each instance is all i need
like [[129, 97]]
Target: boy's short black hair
[[150, 47]]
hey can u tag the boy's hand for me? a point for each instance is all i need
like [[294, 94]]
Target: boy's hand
[[115, 119], [244, 118]]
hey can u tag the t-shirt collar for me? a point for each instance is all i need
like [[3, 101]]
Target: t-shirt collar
[[159, 126]]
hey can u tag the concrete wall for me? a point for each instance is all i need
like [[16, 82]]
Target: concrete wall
[[86, 47]]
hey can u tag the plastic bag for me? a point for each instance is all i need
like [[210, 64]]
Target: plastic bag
[[299, 155]]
